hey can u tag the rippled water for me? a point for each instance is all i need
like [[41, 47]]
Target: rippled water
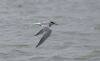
[[76, 38]]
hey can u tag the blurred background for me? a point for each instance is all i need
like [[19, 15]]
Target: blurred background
[[76, 38]]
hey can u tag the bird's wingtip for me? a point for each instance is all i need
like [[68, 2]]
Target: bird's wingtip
[[36, 46]]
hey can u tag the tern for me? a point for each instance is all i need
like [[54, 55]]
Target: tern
[[46, 31]]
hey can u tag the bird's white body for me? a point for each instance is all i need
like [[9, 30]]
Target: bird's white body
[[43, 24]]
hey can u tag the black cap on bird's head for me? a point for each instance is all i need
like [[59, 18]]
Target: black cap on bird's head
[[53, 23]]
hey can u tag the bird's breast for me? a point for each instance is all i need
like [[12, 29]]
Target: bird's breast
[[46, 29]]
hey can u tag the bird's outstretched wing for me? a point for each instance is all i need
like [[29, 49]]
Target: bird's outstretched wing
[[45, 36], [40, 32], [37, 24]]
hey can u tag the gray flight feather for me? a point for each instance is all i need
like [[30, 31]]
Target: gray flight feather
[[45, 36], [40, 32]]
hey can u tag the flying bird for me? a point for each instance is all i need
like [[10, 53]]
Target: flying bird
[[46, 31]]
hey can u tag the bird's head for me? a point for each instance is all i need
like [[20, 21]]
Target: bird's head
[[53, 23]]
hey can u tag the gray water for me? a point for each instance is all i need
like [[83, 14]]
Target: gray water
[[76, 38]]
